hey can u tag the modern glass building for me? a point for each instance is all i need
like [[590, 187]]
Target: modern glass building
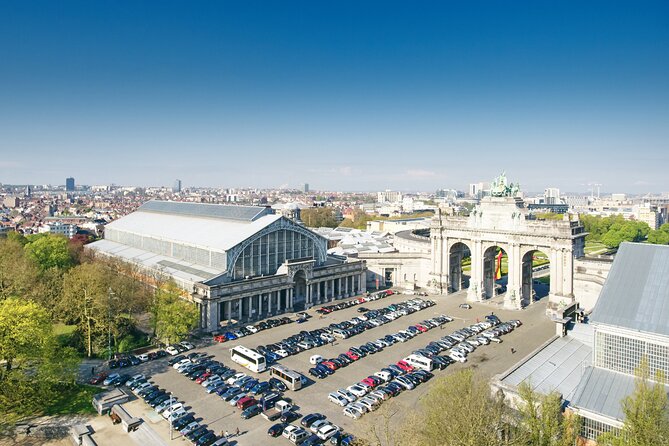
[[236, 262]]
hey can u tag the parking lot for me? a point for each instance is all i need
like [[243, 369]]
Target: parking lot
[[220, 416]]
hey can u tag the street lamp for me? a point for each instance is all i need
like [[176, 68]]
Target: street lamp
[[109, 349], [171, 418]]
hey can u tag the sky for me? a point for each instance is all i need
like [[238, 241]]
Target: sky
[[343, 95]]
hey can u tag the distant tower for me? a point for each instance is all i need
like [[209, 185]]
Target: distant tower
[[177, 186], [306, 188], [29, 191], [69, 184]]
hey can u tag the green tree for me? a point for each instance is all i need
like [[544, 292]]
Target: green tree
[[659, 236], [175, 317], [542, 421], [17, 273], [458, 411], [318, 217], [25, 328], [646, 413], [50, 251]]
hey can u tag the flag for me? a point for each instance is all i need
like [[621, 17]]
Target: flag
[[498, 269]]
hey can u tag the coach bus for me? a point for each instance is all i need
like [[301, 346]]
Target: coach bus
[[292, 379], [250, 359]]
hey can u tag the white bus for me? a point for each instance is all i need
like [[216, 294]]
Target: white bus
[[250, 359], [420, 362], [292, 379]]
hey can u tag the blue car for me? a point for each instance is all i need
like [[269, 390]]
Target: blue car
[[324, 369], [230, 336], [259, 388], [250, 384]]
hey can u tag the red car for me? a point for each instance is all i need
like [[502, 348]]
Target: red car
[[421, 328], [97, 379], [389, 292], [331, 365], [202, 378], [370, 382], [352, 355], [220, 338], [404, 366], [325, 310], [245, 402]]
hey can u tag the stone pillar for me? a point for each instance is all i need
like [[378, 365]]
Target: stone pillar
[[309, 295], [553, 257], [363, 283], [241, 309], [228, 309], [289, 302], [318, 292], [513, 296], [339, 291], [568, 262], [475, 290]]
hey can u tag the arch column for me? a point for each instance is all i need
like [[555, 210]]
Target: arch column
[[475, 290], [513, 296]]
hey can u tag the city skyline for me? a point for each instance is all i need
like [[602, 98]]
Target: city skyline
[[344, 97]]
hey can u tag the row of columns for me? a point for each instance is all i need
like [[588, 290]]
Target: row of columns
[[337, 288]]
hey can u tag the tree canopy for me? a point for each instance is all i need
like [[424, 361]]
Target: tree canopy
[[49, 251], [614, 230], [318, 217], [659, 236]]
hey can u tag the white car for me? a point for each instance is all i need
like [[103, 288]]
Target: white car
[[143, 357], [352, 412], [187, 345], [455, 356], [235, 377], [326, 432], [189, 428], [369, 403], [141, 387], [211, 380], [110, 378], [252, 329], [380, 396], [385, 376], [357, 390], [172, 351], [282, 353], [289, 430], [170, 410], [315, 359], [166, 404], [327, 337], [318, 424], [181, 363], [338, 399], [346, 394], [176, 414], [233, 401]]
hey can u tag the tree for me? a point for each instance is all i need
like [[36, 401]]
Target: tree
[[25, 328], [458, 411], [659, 236], [318, 217], [49, 251], [646, 413], [542, 421], [175, 317], [17, 272]]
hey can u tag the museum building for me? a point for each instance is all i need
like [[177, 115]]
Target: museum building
[[237, 263]]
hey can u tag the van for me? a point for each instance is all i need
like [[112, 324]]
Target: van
[[420, 362], [316, 359], [298, 436], [246, 402]]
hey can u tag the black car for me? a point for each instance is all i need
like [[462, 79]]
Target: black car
[[197, 433], [113, 364], [362, 310], [277, 385], [159, 400], [173, 360], [183, 422], [206, 439], [317, 373], [251, 411], [276, 430], [310, 419], [289, 417]]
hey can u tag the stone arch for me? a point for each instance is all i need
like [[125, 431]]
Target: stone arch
[[532, 289], [457, 253], [493, 283], [299, 290]]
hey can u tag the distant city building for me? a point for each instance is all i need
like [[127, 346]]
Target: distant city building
[[69, 184], [59, 228], [478, 190], [29, 191], [176, 188], [389, 196], [306, 188], [552, 195], [649, 214], [11, 202], [619, 198]]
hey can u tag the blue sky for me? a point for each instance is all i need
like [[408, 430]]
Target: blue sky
[[344, 95]]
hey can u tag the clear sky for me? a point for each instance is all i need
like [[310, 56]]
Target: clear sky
[[344, 95]]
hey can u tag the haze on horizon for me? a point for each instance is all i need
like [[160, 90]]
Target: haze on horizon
[[342, 95]]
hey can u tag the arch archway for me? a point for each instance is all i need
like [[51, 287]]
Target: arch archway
[[460, 258], [535, 276], [495, 271], [299, 290]]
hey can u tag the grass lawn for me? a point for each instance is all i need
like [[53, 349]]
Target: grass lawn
[[73, 400]]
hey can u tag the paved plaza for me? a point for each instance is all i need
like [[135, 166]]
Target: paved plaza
[[220, 416]]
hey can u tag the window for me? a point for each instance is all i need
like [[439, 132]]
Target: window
[[623, 354], [591, 429]]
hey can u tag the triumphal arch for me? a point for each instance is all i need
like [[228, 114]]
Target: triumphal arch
[[501, 223]]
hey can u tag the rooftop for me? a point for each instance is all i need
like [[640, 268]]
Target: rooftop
[[220, 211], [636, 292]]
